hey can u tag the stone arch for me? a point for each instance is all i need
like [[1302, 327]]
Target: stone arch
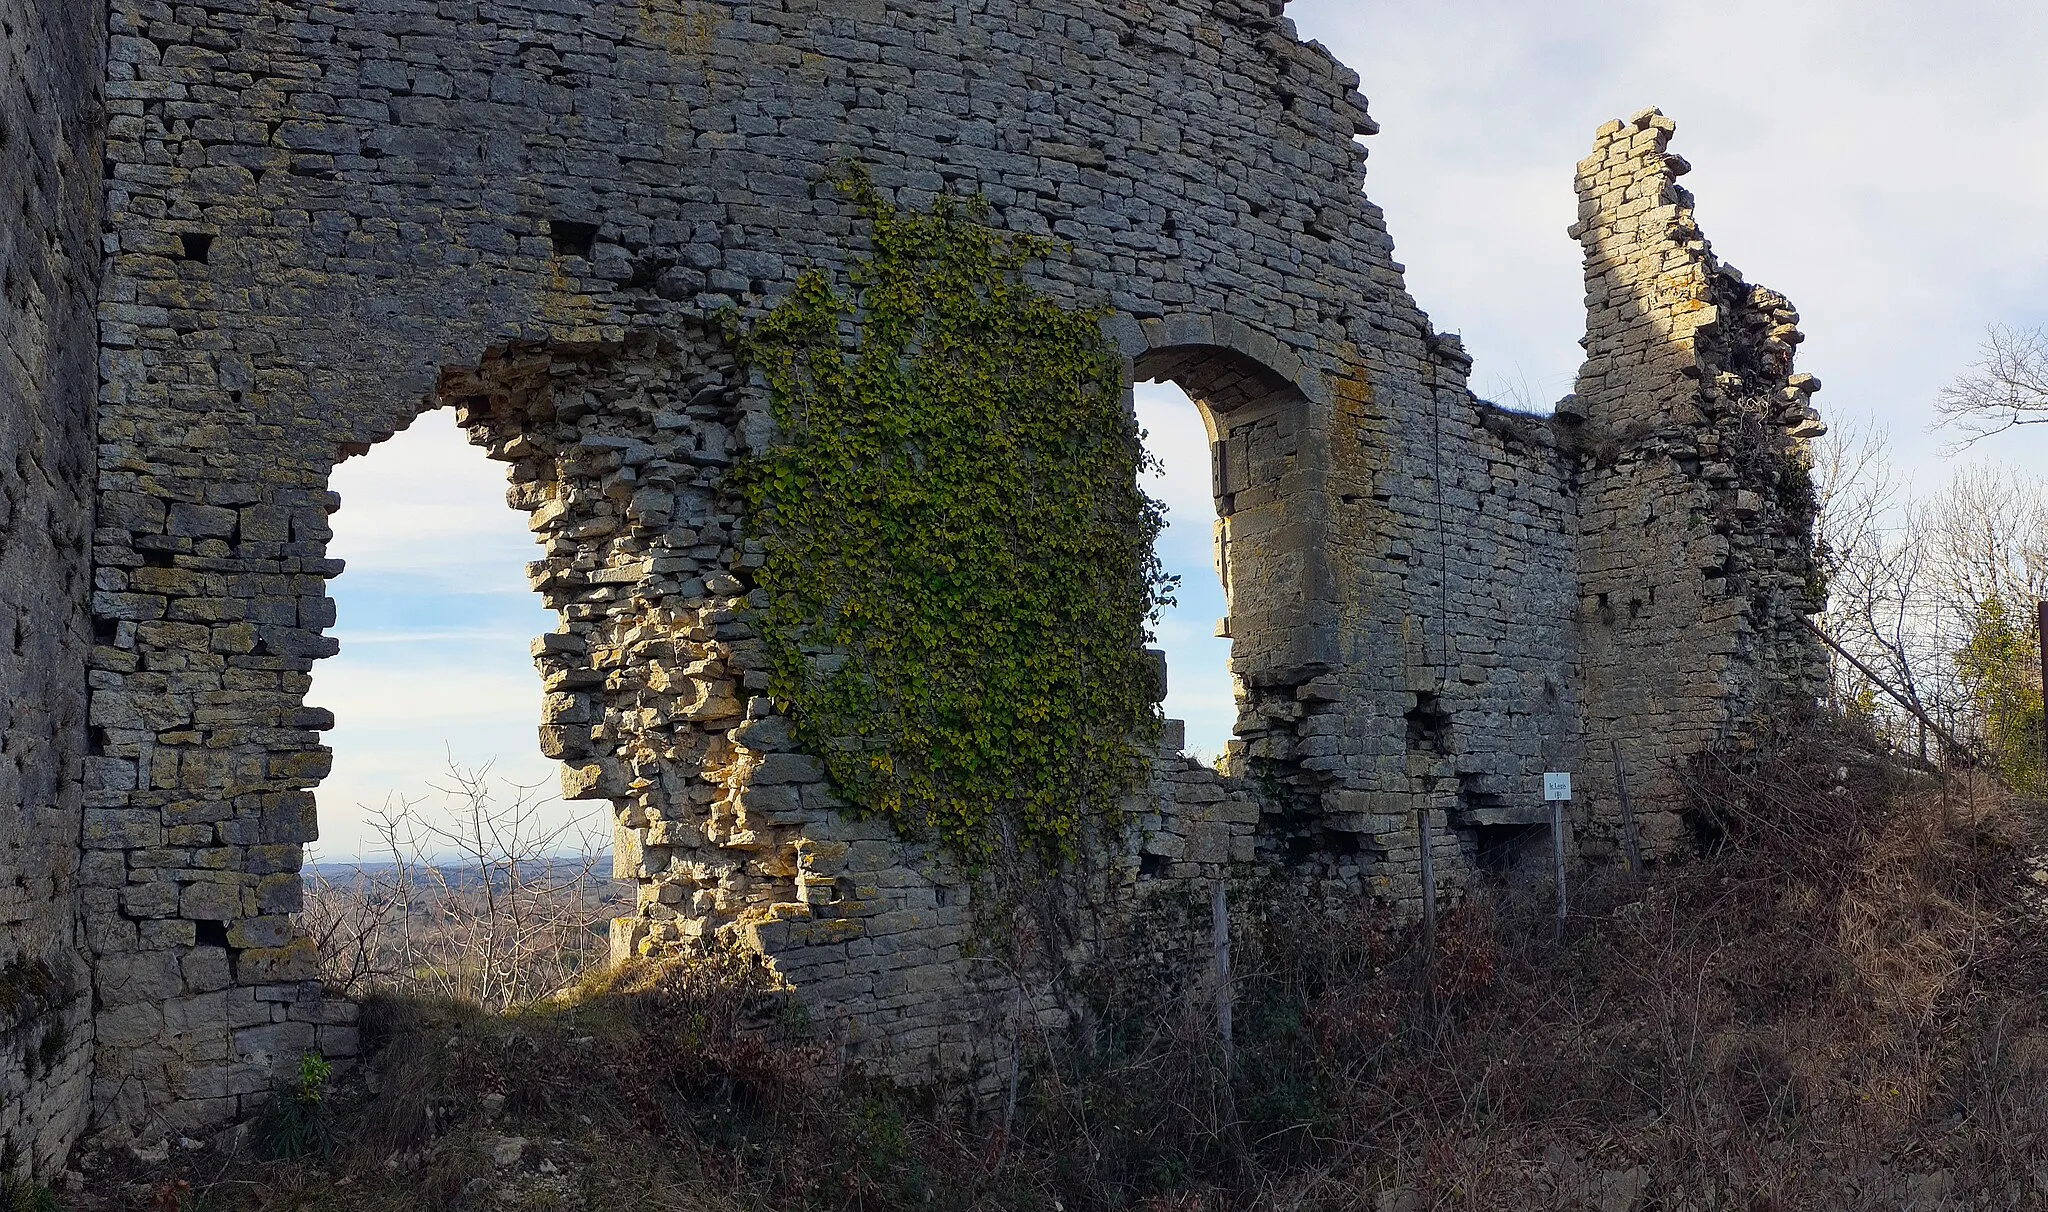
[[656, 701], [216, 622], [1265, 412]]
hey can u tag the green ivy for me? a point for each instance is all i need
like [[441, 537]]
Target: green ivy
[[960, 574]]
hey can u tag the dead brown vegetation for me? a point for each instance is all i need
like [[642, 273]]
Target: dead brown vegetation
[[1836, 1006]]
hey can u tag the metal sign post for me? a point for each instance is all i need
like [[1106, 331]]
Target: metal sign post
[[1557, 792]]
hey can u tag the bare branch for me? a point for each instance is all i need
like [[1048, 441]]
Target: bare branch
[[482, 901], [2008, 386], [1857, 487]]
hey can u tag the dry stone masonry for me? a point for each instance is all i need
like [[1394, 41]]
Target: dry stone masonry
[[1695, 512], [50, 128], [321, 219]]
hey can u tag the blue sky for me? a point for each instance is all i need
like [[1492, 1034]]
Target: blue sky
[[434, 619], [1883, 163], [1198, 688]]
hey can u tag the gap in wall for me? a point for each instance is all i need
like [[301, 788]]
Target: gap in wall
[[1199, 690], [435, 618]]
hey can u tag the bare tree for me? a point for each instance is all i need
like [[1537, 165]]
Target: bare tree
[[2007, 387], [1987, 534], [1870, 574], [489, 903], [1909, 582], [1881, 610], [1856, 486]]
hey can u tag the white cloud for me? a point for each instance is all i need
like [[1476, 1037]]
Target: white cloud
[[1881, 163], [348, 637], [434, 616], [436, 689], [405, 712], [427, 503]]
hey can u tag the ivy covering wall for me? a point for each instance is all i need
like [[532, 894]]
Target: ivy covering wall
[[960, 573]]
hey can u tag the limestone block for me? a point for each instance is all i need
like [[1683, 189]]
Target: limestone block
[[145, 976], [122, 829], [206, 969], [129, 1025], [157, 898], [259, 932], [296, 960], [207, 901], [280, 893], [777, 768]]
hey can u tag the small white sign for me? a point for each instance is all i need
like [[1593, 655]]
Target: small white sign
[[1557, 785]]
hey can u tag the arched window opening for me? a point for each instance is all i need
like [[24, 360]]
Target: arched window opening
[[1200, 690], [447, 860], [434, 618], [1264, 540]]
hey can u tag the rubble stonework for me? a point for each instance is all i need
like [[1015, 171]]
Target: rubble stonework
[[1696, 549], [50, 188], [323, 219]]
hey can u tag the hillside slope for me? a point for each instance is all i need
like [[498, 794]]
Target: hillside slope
[[1836, 1005]]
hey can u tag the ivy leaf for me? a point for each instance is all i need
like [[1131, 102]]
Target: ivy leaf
[[952, 504]]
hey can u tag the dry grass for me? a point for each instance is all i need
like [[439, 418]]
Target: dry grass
[[1837, 1007], [1840, 1008]]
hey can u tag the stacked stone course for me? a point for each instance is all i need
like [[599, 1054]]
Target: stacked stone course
[[1697, 549], [321, 219], [50, 197]]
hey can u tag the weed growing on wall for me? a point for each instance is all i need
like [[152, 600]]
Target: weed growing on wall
[[960, 572]]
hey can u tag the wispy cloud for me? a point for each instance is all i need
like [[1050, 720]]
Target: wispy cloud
[[348, 637], [427, 504], [434, 619]]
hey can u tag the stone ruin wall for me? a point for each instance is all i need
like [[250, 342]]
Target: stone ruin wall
[[323, 219], [1696, 564], [49, 193]]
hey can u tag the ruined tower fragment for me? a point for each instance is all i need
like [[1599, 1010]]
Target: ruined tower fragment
[[1695, 510]]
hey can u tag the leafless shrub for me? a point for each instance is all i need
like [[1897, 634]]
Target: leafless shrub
[[1836, 1006], [487, 903], [1909, 582]]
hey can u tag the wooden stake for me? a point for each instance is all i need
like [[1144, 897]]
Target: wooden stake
[[1219, 943], [1427, 832], [1629, 840]]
